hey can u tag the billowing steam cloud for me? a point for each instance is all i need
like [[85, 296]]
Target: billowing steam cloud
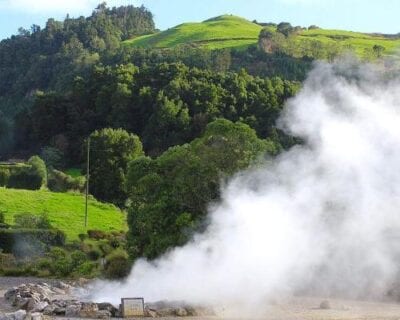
[[319, 219]]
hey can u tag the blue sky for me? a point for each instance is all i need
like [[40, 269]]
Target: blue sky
[[357, 15]]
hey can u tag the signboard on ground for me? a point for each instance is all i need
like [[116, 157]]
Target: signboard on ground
[[132, 307]]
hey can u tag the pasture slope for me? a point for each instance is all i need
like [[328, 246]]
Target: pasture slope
[[228, 31], [66, 211]]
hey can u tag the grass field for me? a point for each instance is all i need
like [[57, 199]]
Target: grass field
[[65, 210], [229, 31], [221, 32], [359, 41]]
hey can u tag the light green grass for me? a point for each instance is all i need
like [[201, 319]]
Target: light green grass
[[221, 32], [65, 210], [356, 40]]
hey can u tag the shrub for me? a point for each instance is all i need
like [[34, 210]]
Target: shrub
[[62, 267], [117, 264], [2, 217], [82, 236], [105, 248], [38, 168], [86, 269], [32, 221], [23, 179], [78, 257], [94, 254], [60, 182], [96, 234], [11, 238], [7, 260], [4, 176]]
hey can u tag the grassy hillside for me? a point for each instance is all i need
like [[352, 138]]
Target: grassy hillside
[[234, 32], [360, 42], [221, 32], [65, 210]]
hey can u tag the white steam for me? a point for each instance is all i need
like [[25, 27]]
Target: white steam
[[319, 219]]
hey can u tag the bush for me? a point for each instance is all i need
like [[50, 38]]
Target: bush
[[86, 269], [94, 254], [97, 234], [2, 217], [38, 168], [32, 221], [82, 236], [78, 258], [117, 265], [4, 176], [24, 179], [11, 238], [60, 182]]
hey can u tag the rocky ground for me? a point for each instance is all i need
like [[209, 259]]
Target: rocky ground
[[39, 299]]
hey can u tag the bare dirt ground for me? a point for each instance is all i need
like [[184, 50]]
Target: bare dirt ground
[[298, 308]]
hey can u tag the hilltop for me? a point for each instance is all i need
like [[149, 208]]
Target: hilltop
[[224, 31]]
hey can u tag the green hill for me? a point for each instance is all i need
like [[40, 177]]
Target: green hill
[[225, 31], [359, 42], [229, 31], [65, 210]]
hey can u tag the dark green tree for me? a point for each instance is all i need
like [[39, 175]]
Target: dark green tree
[[110, 152]]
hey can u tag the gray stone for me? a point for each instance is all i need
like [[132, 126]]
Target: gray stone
[[108, 307], [181, 312], [88, 310], [20, 315], [103, 314], [40, 306], [36, 316], [166, 312], [72, 310], [325, 304]]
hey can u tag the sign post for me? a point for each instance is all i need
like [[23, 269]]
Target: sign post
[[132, 307]]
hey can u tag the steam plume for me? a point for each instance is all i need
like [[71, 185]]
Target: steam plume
[[321, 218]]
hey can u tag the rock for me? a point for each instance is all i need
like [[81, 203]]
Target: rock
[[88, 310], [49, 310], [150, 313], [181, 312], [103, 314], [59, 311], [10, 294], [166, 312], [7, 316], [72, 310], [20, 315], [108, 307], [36, 316], [40, 306], [325, 304]]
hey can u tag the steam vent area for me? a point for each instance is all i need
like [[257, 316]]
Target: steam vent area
[[35, 299]]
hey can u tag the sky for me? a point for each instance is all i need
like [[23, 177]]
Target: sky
[[357, 15]]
